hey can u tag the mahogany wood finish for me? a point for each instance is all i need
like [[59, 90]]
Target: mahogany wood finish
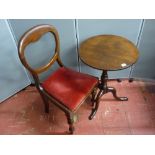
[[107, 53], [33, 35]]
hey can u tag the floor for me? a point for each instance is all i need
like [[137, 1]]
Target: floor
[[23, 113]]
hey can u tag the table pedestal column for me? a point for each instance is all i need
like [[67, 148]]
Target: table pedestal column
[[103, 89]]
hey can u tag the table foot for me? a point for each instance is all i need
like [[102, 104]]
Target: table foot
[[119, 80], [113, 91], [92, 114], [131, 80]]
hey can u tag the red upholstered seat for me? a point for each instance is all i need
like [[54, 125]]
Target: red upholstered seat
[[69, 87]]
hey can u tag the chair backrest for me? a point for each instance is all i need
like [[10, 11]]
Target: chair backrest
[[33, 35]]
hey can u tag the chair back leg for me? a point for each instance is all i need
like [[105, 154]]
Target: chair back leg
[[45, 101]]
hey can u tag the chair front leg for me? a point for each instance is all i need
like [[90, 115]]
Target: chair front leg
[[70, 119]]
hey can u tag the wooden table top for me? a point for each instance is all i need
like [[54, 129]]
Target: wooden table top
[[108, 52]]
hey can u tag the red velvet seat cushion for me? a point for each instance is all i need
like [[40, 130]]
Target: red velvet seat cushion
[[69, 87]]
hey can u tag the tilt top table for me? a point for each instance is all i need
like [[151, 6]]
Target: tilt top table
[[107, 53]]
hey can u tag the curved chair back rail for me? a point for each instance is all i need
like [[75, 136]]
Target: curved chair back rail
[[33, 35]]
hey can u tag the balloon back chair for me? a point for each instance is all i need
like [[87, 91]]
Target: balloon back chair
[[66, 88]]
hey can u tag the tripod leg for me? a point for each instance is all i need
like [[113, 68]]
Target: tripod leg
[[113, 91], [94, 110]]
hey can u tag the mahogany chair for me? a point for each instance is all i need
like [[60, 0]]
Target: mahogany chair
[[65, 87]]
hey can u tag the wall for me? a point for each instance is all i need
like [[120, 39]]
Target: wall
[[144, 68], [13, 76], [72, 33]]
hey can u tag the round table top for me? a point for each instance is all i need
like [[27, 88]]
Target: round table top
[[108, 52]]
